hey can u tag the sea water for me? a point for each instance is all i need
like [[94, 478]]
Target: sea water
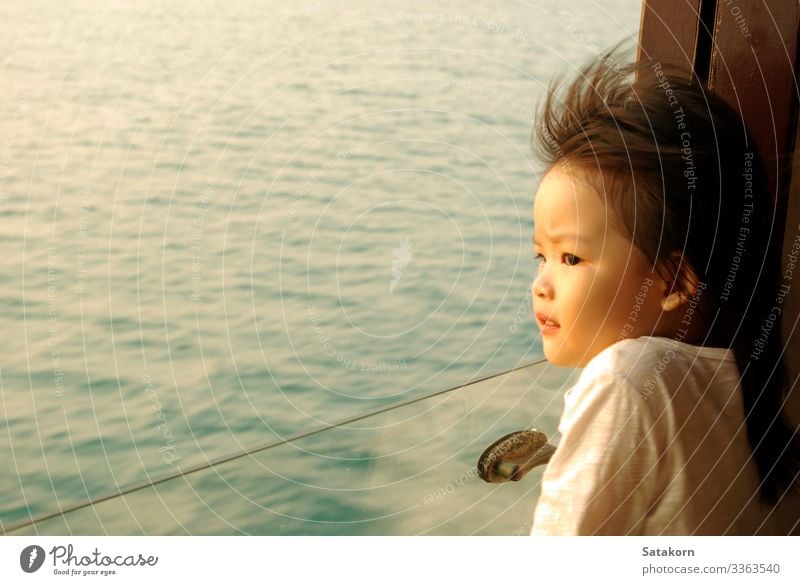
[[226, 222]]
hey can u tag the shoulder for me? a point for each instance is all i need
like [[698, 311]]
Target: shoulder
[[656, 367], [647, 357], [629, 373], [622, 364], [611, 404], [631, 358], [611, 381]]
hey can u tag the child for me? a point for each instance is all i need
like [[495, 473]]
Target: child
[[659, 272]]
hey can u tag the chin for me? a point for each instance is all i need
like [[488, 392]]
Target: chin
[[564, 363], [558, 358], [564, 359]]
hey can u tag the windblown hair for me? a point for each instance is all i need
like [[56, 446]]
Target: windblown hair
[[680, 170]]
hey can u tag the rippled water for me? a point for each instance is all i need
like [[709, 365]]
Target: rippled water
[[228, 221]]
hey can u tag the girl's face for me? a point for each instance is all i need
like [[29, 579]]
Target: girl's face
[[593, 286]]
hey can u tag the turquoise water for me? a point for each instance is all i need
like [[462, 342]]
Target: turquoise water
[[226, 222]]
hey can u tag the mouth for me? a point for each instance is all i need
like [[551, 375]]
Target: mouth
[[546, 324]]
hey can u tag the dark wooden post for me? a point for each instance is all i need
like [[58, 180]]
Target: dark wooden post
[[669, 32], [747, 52]]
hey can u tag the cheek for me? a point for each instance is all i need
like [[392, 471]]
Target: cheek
[[596, 315], [589, 292], [606, 301]]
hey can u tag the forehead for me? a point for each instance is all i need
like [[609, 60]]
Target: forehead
[[566, 203]]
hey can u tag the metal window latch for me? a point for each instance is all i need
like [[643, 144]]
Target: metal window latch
[[511, 457]]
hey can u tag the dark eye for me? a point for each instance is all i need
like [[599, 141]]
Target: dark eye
[[540, 258], [570, 259]]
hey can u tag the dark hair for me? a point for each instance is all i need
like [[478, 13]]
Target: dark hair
[[682, 173]]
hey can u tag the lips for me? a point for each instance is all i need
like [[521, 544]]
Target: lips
[[546, 324]]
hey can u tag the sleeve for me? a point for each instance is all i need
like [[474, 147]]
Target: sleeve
[[603, 477]]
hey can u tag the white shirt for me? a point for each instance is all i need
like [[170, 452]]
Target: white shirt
[[653, 441]]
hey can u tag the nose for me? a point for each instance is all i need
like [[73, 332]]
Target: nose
[[542, 287]]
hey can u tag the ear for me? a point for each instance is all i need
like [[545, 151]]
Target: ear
[[681, 285]]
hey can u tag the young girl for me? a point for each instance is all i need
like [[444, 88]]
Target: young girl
[[659, 275]]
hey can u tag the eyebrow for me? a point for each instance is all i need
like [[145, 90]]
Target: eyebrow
[[559, 237]]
